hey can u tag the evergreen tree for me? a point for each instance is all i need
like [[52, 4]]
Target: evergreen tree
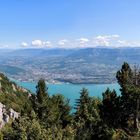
[[41, 90], [41, 98], [110, 109], [130, 91], [86, 118], [124, 76], [57, 112]]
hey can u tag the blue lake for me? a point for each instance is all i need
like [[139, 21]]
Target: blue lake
[[71, 91]]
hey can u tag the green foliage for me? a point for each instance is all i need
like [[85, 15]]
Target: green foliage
[[87, 119], [41, 90], [13, 96], [110, 109], [45, 117], [130, 91], [124, 76], [26, 128]]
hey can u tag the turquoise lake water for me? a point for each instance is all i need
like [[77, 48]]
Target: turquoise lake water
[[71, 91]]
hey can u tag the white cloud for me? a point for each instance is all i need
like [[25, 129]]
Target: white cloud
[[40, 43], [113, 41], [101, 41], [62, 42], [37, 43], [24, 44], [83, 42], [47, 44], [107, 40]]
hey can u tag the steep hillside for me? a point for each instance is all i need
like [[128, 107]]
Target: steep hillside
[[13, 96]]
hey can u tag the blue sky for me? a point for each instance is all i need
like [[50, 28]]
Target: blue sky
[[69, 22]]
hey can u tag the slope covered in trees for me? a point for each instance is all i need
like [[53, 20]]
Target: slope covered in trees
[[45, 117], [12, 95]]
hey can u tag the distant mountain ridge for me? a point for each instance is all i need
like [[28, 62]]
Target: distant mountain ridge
[[31, 52]]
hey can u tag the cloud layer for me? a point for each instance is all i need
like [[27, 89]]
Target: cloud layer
[[83, 42]]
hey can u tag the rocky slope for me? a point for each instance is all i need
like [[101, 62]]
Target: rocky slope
[[13, 96]]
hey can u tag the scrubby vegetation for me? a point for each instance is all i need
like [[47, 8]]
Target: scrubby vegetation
[[45, 117], [12, 95]]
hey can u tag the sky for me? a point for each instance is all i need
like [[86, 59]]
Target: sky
[[69, 23]]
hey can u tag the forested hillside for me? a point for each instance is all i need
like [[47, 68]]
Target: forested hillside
[[45, 117]]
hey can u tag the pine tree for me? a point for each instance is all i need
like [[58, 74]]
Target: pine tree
[[130, 91], [110, 109], [41, 101], [124, 76], [82, 104], [41, 90], [86, 117]]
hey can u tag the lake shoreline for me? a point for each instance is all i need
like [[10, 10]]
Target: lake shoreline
[[72, 91], [72, 83]]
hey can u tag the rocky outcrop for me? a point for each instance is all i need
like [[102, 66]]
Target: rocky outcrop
[[13, 97], [13, 114], [6, 115]]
